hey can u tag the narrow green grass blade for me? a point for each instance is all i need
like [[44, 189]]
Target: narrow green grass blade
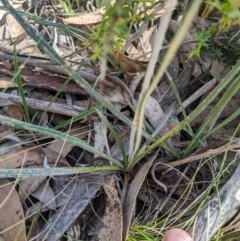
[[229, 93], [56, 135], [79, 117], [222, 124], [20, 85], [39, 172]]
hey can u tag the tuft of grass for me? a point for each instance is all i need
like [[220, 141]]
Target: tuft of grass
[[118, 18]]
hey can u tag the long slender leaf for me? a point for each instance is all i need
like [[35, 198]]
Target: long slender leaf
[[57, 135], [57, 171], [20, 85]]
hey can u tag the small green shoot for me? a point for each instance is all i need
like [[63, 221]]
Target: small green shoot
[[20, 85], [202, 38], [67, 6]]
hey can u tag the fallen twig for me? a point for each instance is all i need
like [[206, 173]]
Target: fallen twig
[[206, 154], [63, 109]]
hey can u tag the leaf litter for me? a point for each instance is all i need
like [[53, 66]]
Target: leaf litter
[[103, 206]]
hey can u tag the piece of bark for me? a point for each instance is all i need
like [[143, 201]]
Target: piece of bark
[[219, 210]]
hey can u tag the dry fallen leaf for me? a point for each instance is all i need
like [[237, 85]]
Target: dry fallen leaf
[[64, 148], [87, 18], [113, 219], [28, 186], [14, 111], [15, 29], [154, 112], [84, 189], [45, 194], [130, 201], [12, 221], [127, 64], [28, 157]]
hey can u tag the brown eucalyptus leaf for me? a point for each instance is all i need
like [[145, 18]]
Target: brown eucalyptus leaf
[[112, 219], [11, 213], [87, 18]]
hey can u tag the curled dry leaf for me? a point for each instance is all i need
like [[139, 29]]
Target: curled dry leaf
[[12, 221]]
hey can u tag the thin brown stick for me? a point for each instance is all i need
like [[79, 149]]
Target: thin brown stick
[[62, 109], [206, 154]]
